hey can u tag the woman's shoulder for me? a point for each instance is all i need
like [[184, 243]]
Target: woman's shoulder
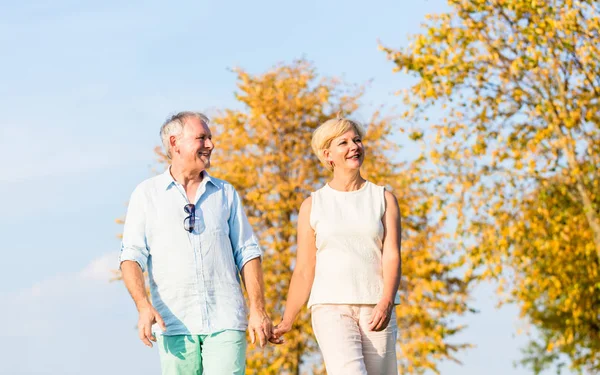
[[378, 187], [374, 185], [320, 191], [307, 203]]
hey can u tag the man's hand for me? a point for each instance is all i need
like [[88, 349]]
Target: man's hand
[[149, 316], [260, 327], [380, 317]]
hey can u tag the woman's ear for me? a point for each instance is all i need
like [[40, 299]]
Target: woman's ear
[[327, 155]]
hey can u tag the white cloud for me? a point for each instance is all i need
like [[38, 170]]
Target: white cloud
[[97, 273], [62, 324], [100, 269], [56, 295]]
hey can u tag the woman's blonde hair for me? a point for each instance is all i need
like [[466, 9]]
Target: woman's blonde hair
[[329, 130]]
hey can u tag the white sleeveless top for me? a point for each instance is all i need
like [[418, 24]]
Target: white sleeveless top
[[349, 239]]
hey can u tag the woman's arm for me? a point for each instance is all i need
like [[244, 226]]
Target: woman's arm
[[304, 271], [391, 262]]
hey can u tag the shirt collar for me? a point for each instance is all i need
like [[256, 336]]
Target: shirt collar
[[167, 179]]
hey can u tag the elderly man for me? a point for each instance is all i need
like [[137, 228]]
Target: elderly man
[[189, 231]]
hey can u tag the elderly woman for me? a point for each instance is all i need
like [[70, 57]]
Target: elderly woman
[[348, 260]]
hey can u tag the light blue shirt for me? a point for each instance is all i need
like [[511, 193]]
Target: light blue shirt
[[194, 277]]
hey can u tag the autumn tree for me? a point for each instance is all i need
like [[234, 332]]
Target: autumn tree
[[515, 152], [559, 289], [263, 149]]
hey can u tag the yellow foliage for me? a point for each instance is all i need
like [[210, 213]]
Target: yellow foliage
[[524, 76], [264, 150]]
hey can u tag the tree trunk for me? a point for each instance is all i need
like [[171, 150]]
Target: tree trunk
[[588, 206], [591, 215]]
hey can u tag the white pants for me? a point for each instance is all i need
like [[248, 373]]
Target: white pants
[[348, 346]]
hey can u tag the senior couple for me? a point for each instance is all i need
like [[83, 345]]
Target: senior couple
[[188, 230]]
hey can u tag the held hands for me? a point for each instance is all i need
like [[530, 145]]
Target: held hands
[[147, 317], [279, 330], [380, 317], [259, 326]]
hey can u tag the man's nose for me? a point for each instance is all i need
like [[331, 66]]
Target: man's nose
[[209, 144]]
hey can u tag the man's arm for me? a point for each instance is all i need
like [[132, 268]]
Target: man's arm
[[133, 277], [247, 256], [259, 323], [134, 259]]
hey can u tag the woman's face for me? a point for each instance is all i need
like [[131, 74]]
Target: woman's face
[[346, 151]]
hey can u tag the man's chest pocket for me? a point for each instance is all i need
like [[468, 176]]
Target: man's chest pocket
[[214, 215]]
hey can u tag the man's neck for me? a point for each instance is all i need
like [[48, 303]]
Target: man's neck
[[186, 177]]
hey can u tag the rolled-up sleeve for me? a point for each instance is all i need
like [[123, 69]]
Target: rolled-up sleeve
[[134, 246], [243, 240]]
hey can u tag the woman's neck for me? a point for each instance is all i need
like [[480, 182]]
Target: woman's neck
[[346, 180]]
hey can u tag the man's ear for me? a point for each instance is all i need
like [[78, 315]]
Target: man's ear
[[173, 143]]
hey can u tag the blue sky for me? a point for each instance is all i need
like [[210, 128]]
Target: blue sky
[[85, 87]]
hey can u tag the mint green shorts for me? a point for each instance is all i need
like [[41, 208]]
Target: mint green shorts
[[220, 353]]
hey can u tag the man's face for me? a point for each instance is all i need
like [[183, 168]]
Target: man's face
[[194, 146]]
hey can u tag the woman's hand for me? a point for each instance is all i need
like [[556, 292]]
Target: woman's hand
[[279, 330], [380, 317]]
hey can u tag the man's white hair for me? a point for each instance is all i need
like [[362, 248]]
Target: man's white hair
[[174, 127]]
